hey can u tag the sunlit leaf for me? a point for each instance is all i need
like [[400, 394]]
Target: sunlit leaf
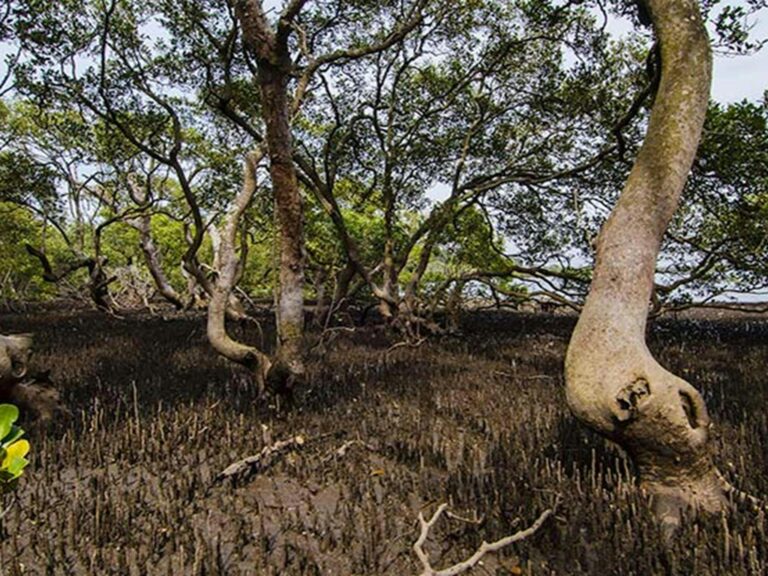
[[8, 415]]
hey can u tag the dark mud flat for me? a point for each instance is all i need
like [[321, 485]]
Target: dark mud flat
[[479, 421]]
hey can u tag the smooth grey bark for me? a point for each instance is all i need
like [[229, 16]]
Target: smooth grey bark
[[143, 225], [153, 261], [17, 386], [228, 273], [613, 383]]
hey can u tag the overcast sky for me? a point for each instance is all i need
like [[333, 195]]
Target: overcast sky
[[740, 77], [735, 78]]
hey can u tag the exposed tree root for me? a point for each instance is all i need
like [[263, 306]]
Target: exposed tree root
[[409, 343]]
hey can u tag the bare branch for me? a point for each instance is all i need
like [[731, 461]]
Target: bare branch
[[259, 462], [48, 273], [485, 547]]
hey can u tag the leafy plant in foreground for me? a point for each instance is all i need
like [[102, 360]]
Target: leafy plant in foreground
[[12, 448]]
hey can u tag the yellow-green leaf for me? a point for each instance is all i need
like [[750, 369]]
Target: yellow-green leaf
[[17, 449]]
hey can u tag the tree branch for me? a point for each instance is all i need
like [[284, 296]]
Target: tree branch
[[485, 547]]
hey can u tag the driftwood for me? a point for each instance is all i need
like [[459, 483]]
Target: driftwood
[[257, 463], [485, 547]]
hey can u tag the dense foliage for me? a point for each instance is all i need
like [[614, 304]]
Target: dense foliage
[[466, 153]]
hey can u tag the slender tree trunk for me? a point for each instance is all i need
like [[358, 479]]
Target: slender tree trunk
[[152, 259], [143, 225], [613, 383], [389, 287], [453, 307], [322, 304], [324, 193], [273, 81], [196, 296], [343, 281], [227, 276]]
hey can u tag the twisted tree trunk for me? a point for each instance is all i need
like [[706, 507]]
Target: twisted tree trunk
[[142, 223], [228, 274], [613, 383], [153, 261]]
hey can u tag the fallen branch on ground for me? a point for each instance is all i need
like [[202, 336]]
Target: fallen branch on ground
[[411, 344], [484, 548], [476, 521], [259, 462], [328, 334], [341, 451]]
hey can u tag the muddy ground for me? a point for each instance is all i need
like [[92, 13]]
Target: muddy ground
[[126, 486]]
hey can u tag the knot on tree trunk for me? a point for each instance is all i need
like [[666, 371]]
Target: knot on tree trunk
[[661, 413], [658, 418], [628, 399], [663, 423]]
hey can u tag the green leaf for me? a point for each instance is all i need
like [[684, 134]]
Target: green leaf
[[16, 465], [18, 449], [12, 436], [8, 415]]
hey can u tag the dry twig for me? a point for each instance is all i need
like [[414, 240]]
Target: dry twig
[[484, 548], [259, 462], [341, 451], [411, 344]]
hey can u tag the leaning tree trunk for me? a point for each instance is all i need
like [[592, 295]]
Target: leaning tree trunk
[[152, 258], [143, 225], [613, 383]]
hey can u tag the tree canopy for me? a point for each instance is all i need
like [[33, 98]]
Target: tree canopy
[[476, 148]]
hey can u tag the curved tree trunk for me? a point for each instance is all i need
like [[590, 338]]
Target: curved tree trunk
[[226, 278], [143, 225], [613, 383]]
